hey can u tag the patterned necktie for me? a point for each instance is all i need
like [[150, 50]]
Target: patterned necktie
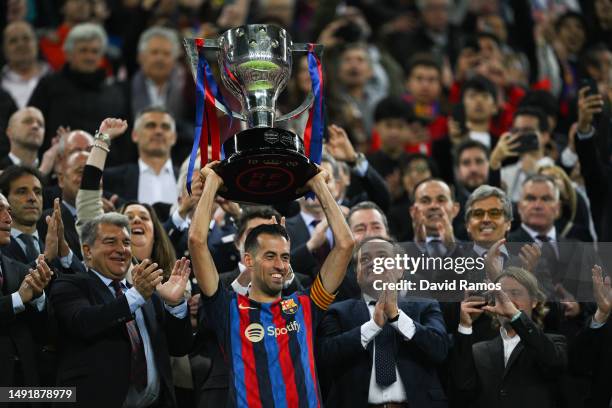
[[31, 252], [384, 356], [138, 363], [321, 252], [436, 248]]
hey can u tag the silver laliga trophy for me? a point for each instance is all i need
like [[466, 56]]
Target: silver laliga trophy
[[263, 164]]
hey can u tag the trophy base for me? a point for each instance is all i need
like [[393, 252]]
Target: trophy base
[[264, 166]]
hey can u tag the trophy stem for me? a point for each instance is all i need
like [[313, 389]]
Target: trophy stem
[[260, 118]]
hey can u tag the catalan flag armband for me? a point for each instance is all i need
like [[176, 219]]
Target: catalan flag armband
[[321, 297]]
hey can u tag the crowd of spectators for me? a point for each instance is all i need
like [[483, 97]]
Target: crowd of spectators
[[454, 129]]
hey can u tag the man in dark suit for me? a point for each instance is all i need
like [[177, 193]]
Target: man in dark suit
[[521, 366], [562, 264], [115, 339], [23, 189], [22, 312], [153, 179], [377, 349]]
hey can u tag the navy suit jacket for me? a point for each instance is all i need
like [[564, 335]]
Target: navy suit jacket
[[340, 352], [19, 333], [13, 250], [94, 347]]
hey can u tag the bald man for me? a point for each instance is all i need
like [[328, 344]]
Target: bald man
[[25, 133]]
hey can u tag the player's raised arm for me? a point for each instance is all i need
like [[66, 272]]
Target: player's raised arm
[[202, 261], [335, 265]]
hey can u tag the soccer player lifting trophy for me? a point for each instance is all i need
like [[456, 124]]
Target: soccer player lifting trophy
[[263, 164]]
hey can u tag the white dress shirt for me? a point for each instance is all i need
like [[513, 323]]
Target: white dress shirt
[[19, 88], [509, 343], [369, 330], [18, 306], [17, 161], [157, 188]]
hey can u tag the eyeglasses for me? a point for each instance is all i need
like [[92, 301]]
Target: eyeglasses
[[494, 213]]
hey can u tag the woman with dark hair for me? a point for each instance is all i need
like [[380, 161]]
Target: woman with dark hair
[[149, 238]]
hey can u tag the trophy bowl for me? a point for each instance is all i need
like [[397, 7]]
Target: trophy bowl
[[263, 164]]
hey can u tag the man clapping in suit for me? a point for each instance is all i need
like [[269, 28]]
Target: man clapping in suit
[[22, 300], [376, 349], [115, 339]]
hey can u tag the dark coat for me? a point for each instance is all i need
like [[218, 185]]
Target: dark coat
[[83, 101], [94, 348], [341, 354], [528, 379], [19, 334]]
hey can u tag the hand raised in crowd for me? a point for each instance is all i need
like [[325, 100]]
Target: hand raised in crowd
[[588, 105], [230, 207], [571, 308], [63, 249], [379, 316], [505, 148], [35, 281], [446, 232], [339, 145], [113, 127], [173, 290], [471, 309], [493, 261], [602, 293], [418, 225], [391, 308], [50, 157], [110, 205], [530, 255], [318, 236], [52, 242], [188, 202], [146, 276], [454, 131], [503, 305]]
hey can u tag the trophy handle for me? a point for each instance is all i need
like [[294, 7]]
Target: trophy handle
[[192, 53], [302, 48]]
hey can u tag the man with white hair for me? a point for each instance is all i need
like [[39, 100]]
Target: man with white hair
[[80, 96], [160, 81]]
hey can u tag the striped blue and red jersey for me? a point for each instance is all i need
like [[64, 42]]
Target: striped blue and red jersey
[[269, 347]]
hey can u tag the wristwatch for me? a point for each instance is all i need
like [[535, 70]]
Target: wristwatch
[[360, 158], [102, 137]]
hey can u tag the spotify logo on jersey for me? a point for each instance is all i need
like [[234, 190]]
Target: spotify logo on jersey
[[254, 332]]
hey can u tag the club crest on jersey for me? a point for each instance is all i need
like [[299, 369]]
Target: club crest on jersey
[[289, 306]]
